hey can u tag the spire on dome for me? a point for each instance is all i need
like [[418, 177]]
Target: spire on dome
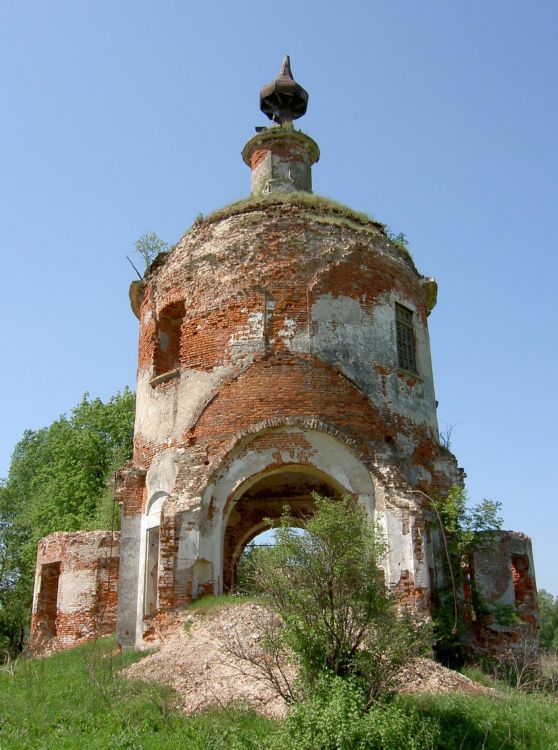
[[283, 100]]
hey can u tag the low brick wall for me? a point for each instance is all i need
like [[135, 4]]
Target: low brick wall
[[506, 614], [76, 589]]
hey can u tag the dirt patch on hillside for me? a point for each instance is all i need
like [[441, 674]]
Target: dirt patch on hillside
[[427, 676], [197, 661]]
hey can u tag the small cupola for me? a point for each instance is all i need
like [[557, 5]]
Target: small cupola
[[281, 157]]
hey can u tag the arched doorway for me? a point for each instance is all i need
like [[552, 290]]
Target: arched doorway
[[259, 504]]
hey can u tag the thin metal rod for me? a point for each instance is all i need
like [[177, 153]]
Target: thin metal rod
[[448, 558]]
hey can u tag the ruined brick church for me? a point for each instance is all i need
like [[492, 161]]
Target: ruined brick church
[[283, 350]]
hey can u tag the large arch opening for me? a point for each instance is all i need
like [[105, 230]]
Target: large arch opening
[[259, 503]]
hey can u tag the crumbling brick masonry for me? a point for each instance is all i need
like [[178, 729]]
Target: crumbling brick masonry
[[283, 350]]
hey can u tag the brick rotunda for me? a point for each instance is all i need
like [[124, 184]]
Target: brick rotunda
[[283, 350]]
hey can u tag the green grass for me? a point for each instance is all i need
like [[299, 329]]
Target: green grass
[[513, 721], [77, 699], [324, 210], [212, 604], [318, 208], [300, 198]]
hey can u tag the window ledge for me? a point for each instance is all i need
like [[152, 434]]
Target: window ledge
[[166, 376], [409, 374]]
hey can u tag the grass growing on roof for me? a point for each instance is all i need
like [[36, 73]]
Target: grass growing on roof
[[298, 198], [325, 210]]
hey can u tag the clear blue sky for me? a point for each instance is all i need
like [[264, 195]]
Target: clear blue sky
[[438, 118]]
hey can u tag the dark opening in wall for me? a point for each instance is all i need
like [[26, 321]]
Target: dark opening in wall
[[151, 571], [167, 345], [48, 597], [523, 587], [468, 576]]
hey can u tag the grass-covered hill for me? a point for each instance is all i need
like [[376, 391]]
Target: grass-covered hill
[[80, 699]]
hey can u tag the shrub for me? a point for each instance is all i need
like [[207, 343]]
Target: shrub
[[334, 718], [328, 589]]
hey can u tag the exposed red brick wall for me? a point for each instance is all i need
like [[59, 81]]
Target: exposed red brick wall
[[76, 589], [46, 612], [129, 489], [168, 331], [288, 386], [207, 331], [524, 588], [250, 284], [410, 597]]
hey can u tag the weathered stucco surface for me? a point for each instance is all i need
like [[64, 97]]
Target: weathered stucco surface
[[269, 368], [277, 326], [503, 573]]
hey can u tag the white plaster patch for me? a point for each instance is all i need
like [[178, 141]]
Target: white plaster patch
[[220, 229], [288, 331], [340, 309], [399, 545], [247, 339], [405, 445], [188, 545], [161, 475], [75, 589], [158, 416], [253, 328]]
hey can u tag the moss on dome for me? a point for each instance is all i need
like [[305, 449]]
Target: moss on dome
[[319, 203]]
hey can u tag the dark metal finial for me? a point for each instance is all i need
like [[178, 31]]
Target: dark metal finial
[[285, 70], [283, 100]]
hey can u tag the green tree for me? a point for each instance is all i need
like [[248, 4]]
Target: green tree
[[328, 588], [57, 482], [148, 247], [247, 566], [465, 524], [548, 612], [462, 527]]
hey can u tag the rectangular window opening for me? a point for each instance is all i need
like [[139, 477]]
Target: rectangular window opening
[[522, 584], [168, 335], [47, 605], [406, 356], [151, 571]]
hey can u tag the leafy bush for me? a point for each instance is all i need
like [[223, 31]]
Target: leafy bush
[[548, 612], [247, 566], [328, 589], [335, 718]]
